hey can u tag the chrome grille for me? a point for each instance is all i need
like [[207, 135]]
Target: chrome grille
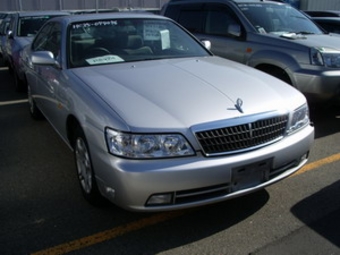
[[238, 138]]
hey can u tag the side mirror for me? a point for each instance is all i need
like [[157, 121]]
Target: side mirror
[[10, 34], [234, 30], [44, 58], [206, 44]]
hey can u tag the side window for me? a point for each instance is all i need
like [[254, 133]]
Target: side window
[[54, 40], [41, 40], [192, 20], [49, 39], [218, 20]]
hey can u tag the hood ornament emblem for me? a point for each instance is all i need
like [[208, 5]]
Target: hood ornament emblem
[[239, 104]]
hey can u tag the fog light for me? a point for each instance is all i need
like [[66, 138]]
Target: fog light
[[160, 199], [304, 157]]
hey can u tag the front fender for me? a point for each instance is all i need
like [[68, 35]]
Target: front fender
[[280, 60]]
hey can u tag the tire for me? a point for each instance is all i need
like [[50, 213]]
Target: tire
[[34, 110], [276, 72], [85, 172]]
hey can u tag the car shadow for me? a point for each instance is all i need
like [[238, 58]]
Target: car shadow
[[192, 225], [323, 220], [186, 227], [326, 119]]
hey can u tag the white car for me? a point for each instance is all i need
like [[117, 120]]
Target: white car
[[156, 122]]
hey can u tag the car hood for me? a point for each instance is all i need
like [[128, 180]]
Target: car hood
[[185, 92], [315, 40]]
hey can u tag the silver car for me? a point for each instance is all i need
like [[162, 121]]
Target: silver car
[[22, 28], [156, 122]]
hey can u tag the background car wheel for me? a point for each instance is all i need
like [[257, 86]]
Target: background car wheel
[[85, 171], [34, 110]]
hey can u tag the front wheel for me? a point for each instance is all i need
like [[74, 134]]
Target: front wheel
[[85, 171]]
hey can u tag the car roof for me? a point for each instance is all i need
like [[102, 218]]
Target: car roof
[[40, 13], [104, 16]]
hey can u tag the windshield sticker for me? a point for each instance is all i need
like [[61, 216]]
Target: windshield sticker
[[165, 39], [250, 5], [152, 31], [35, 17], [104, 60], [97, 23]]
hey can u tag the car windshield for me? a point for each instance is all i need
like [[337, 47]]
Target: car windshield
[[278, 19], [124, 40], [29, 26]]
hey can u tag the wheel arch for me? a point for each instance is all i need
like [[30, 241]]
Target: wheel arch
[[278, 64], [72, 124], [275, 71]]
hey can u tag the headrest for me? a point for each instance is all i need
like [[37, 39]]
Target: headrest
[[134, 41]]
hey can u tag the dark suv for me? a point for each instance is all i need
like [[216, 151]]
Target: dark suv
[[270, 36]]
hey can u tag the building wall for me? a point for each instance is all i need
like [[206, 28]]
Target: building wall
[[28, 5], [316, 5]]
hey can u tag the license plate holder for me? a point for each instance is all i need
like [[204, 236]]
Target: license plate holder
[[250, 175]]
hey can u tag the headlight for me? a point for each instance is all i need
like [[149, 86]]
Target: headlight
[[147, 145], [325, 57], [300, 118]]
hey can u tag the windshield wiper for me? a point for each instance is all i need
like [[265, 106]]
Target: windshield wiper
[[304, 33]]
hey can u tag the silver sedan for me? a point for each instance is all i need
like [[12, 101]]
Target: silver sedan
[[156, 122]]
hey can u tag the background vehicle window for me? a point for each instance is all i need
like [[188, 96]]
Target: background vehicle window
[[192, 20], [218, 22], [278, 19], [29, 26], [331, 28]]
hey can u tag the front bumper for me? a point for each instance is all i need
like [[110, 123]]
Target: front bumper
[[199, 180], [318, 85]]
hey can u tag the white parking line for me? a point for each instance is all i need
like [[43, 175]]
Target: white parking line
[[14, 102]]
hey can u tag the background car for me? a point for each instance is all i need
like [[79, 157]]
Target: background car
[[323, 13], [4, 26], [155, 121], [22, 28], [330, 24], [273, 37]]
